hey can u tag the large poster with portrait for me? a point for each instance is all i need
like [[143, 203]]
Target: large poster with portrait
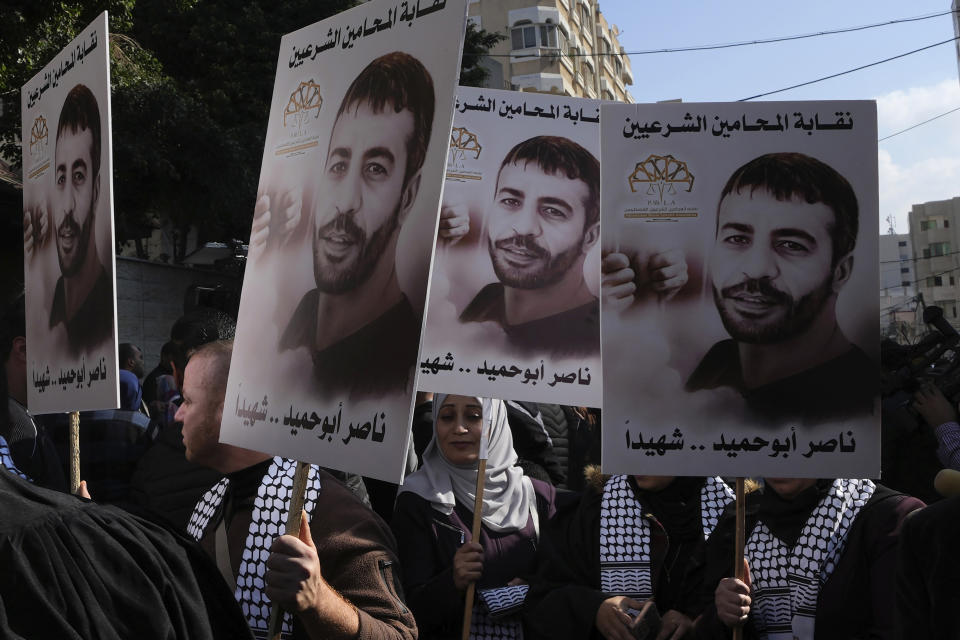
[[513, 309], [761, 358], [69, 272], [332, 301]]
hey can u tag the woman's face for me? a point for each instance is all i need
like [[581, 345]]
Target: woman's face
[[459, 425]]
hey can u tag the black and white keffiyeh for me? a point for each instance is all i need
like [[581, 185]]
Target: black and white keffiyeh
[[714, 498], [6, 460], [786, 582], [625, 535], [267, 522]]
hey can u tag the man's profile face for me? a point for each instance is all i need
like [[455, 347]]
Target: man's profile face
[[535, 226], [137, 365], [200, 413], [74, 198], [772, 265], [359, 199]]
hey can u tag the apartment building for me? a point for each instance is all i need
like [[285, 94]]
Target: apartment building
[[935, 240], [898, 291], [554, 46]]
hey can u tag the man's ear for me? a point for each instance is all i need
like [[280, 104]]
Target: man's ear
[[841, 272], [590, 237], [409, 196], [19, 349]]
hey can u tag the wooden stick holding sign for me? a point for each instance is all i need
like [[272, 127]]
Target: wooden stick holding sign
[[294, 514], [741, 524], [477, 521], [74, 452]]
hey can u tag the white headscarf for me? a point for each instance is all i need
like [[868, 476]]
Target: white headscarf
[[508, 496]]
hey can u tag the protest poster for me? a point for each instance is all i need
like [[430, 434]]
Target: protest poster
[[762, 356], [513, 310], [69, 267], [332, 302]]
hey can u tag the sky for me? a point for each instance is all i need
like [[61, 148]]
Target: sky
[[914, 167]]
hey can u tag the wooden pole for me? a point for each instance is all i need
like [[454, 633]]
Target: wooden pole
[[741, 522], [74, 452], [293, 529], [474, 536]]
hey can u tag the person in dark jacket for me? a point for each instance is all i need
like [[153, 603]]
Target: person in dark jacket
[[630, 539], [821, 556], [434, 515], [928, 600]]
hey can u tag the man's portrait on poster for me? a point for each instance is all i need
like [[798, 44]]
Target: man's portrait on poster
[[786, 230], [82, 299], [359, 328]]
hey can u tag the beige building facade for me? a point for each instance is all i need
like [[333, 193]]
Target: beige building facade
[[554, 46], [935, 241]]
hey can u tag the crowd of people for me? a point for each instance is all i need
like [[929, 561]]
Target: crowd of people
[[177, 521]]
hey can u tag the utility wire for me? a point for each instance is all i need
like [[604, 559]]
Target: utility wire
[[914, 259], [708, 47], [728, 45], [945, 113], [842, 73]]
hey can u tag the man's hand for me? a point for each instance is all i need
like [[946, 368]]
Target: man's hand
[[293, 580], [286, 207], [454, 222], [82, 490], [668, 272], [675, 626], [36, 228], [612, 620], [933, 406], [617, 285], [467, 565], [732, 599]]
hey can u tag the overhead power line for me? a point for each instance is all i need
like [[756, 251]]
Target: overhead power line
[[726, 45], [945, 113], [842, 73], [708, 47]]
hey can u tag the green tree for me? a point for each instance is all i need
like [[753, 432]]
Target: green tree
[[476, 44]]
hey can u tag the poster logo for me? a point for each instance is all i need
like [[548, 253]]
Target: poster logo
[[38, 136], [304, 99], [662, 175], [463, 142]]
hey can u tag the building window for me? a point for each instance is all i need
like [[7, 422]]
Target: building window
[[585, 14], [904, 269], [619, 67], [926, 224], [902, 243], [946, 224], [525, 37], [951, 281], [935, 281], [904, 283], [937, 249]]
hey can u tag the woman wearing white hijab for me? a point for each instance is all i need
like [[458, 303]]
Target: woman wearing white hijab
[[434, 514]]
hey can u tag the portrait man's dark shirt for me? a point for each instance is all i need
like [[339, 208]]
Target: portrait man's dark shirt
[[574, 332], [92, 324], [843, 387], [374, 360]]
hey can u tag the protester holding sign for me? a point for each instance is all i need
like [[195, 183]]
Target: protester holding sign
[[356, 594], [821, 558], [630, 539], [433, 519]]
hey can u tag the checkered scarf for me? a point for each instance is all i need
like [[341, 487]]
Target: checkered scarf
[[268, 520], [786, 582], [625, 535]]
